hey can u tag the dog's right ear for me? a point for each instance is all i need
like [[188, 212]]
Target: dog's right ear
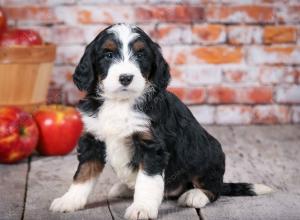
[[84, 73]]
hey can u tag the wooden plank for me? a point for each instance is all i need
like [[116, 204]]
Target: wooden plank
[[277, 206], [12, 190], [169, 210], [261, 154], [50, 178], [265, 154]]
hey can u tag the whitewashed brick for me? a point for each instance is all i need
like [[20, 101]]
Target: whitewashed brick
[[288, 94], [233, 114], [296, 114], [245, 34], [273, 55], [271, 114], [195, 75], [69, 54], [203, 113], [62, 74]]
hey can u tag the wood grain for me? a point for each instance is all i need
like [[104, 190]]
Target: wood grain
[[28, 54], [12, 190], [25, 75], [50, 178]]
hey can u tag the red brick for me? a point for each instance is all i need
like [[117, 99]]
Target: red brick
[[32, 14], [221, 94], [288, 94], [271, 114], [233, 114], [206, 55], [168, 34], [251, 95], [241, 34], [280, 34], [218, 54], [178, 13], [257, 95], [208, 34], [94, 14], [289, 13], [274, 55], [189, 95], [240, 13], [37, 2]]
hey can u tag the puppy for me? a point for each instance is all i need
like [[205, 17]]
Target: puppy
[[149, 137]]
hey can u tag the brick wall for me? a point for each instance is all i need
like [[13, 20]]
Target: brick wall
[[234, 61]]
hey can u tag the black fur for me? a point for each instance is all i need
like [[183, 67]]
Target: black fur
[[180, 146], [89, 149], [238, 189]]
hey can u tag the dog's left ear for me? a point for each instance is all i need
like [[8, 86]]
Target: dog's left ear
[[84, 72], [160, 75]]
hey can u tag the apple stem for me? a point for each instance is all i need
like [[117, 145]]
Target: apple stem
[[22, 131]]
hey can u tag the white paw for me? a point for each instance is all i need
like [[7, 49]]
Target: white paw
[[67, 203], [120, 190], [193, 198], [139, 211]]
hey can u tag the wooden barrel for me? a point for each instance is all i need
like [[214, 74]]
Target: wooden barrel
[[25, 73]]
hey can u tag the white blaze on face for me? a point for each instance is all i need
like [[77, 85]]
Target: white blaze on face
[[111, 84]]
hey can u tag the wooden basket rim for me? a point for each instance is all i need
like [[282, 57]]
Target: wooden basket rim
[[28, 54]]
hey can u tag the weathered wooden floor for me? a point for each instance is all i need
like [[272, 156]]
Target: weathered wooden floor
[[258, 154]]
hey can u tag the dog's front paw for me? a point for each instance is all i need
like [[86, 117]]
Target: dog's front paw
[[140, 211], [67, 203]]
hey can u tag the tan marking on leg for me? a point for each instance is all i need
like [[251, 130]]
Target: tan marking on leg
[[87, 171]]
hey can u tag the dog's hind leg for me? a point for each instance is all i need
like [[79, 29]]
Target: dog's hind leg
[[202, 193]]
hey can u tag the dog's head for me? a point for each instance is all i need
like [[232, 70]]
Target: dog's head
[[122, 62]]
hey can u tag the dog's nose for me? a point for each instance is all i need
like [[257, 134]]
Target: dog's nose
[[125, 79]]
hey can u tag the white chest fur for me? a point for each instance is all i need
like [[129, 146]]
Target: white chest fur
[[115, 122]]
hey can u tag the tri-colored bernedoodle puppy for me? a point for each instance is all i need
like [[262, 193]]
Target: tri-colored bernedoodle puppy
[[150, 138]]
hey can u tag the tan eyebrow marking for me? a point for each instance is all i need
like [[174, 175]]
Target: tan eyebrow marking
[[110, 45], [138, 45]]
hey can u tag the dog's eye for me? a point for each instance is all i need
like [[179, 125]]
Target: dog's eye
[[108, 54], [140, 54]]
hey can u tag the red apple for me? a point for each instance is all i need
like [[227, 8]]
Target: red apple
[[18, 134], [60, 128], [23, 37], [3, 24]]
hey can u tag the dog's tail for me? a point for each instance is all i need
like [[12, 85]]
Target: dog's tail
[[244, 189]]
